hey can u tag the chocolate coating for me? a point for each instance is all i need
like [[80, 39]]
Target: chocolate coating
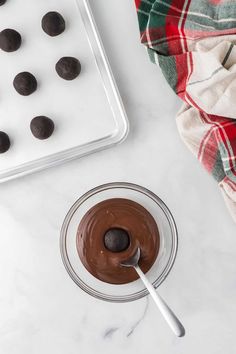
[[10, 40], [53, 23], [2, 2], [122, 214], [68, 68], [42, 127], [25, 83], [116, 240], [4, 142]]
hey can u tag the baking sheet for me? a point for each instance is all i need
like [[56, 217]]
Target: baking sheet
[[87, 112]]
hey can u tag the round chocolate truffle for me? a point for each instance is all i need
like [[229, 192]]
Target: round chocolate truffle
[[42, 127], [68, 68], [10, 40], [2, 2], [25, 83], [4, 142], [53, 24], [116, 240]]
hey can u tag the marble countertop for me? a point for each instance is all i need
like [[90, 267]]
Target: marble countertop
[[42, 310]]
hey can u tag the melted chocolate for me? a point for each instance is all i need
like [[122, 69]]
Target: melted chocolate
[[122, 214]]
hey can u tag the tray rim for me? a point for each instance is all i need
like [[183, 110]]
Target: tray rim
[[117, 136]]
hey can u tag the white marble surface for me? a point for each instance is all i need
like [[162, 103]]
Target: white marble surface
[[41, 309]]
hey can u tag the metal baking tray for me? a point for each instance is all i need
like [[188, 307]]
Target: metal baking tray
[[88, 113]]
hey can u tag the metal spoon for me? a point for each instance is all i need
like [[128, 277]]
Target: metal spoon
[[166, 312]]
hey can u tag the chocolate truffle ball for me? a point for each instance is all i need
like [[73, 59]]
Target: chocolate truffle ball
[[116, 240], [10, 40], [4, 142], [25, 83], [2, 2], [68, 68], [42, 127], [53, 24]]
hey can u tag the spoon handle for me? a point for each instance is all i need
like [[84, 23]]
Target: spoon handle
[[166, 312]]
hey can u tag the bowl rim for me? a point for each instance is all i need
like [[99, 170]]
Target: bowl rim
[[63, 236]]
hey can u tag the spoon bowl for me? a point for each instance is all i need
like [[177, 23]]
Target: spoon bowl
[[132, 261]]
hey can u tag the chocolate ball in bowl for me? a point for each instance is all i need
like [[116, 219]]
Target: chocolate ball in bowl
[[116, 240]]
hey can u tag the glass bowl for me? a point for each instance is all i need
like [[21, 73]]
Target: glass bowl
[[168, 242]]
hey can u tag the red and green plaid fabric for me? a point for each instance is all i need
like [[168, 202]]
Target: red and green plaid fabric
[[194, 43]]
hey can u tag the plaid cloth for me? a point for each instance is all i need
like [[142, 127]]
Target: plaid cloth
[[194, 43]]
